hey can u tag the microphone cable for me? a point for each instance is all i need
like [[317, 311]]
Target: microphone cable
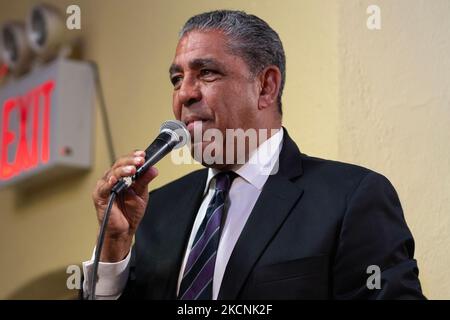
[[98, 248], [103, 111], [112, 158]]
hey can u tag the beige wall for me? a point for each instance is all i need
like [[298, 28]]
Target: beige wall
[[371, 98], [394, 116]]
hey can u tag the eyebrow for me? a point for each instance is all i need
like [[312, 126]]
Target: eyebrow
[[196, 64]]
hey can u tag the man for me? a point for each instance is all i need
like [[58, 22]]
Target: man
[[312, 229]]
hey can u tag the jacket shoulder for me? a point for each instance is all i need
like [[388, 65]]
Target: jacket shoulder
[[336, 176], [324, 165]]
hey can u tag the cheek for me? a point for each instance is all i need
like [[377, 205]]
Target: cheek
[[241, 102], [212, 99], [176, 107]]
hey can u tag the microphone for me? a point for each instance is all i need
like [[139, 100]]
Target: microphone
[[173, 134]]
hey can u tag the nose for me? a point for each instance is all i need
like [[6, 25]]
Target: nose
[[189, 92]]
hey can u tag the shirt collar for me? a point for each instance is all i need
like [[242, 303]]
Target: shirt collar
[[260, 165]]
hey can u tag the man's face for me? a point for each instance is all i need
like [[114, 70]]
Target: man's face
[[212, 87]]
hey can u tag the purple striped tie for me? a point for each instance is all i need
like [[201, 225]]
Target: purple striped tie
[[199, 270]]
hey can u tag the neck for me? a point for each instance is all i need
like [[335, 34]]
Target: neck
[[243, 148]]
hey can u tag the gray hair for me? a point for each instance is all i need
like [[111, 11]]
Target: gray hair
[[250, 37]]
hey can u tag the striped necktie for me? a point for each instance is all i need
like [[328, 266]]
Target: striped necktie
[[199, 270]]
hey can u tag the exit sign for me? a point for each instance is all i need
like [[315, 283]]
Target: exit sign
[[46, 123]]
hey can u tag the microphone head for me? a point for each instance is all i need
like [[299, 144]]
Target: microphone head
[[178, 131]]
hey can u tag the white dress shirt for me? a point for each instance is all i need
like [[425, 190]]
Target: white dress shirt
[[243, 194]]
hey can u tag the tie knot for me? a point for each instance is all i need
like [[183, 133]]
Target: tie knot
[[224, 180]]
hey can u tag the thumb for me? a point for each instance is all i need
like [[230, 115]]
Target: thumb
[[140, 186]]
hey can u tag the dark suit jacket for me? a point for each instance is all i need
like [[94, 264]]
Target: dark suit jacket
[[315, 229]]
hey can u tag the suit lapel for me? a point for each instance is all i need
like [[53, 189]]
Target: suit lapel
[[183, 226], [278, 197], [174, 234]]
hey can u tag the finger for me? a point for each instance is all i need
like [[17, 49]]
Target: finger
[[140, 186], [129, 160], [113, 177], [104, 188], [105, 175], [138, 153], [125, 166], [122, 172]]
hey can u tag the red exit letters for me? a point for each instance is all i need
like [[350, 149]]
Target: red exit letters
[[29, 150]]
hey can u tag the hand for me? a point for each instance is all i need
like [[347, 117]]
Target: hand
[[129, 207]]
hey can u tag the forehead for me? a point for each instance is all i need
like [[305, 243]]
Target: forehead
[[201, 41], [209, 45]]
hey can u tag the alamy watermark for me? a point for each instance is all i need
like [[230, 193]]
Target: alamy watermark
[[73, 281], [374, 20], [73, 21], [374, 280], [234, 147]]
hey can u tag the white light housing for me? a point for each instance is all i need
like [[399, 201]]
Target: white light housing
[[45, 30], [15, 49]]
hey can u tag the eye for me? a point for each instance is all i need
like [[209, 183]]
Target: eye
[[207, 72], [209, 75], [176, 80]]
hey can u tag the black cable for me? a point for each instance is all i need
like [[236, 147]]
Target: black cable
[[112, 159], [98, 248], [103, 112]]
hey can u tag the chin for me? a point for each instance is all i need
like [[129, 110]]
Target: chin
[[198, 153]]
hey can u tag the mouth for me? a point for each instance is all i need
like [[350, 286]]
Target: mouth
[[192, 122]]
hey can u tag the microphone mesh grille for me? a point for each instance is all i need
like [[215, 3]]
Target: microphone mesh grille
[[179, 128]]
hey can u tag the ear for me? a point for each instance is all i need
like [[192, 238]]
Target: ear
[[270, 82]]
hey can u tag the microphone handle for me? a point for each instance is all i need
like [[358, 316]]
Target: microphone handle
[[161, 146]]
